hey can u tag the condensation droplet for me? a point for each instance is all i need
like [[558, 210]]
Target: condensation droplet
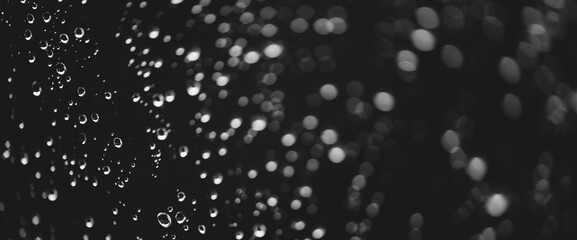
[[164, 219]]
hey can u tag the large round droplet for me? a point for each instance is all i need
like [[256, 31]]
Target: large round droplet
[[180, 217], [79, 32], [164, 219]]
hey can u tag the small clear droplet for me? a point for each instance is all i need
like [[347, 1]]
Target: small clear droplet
[[117, 142], [30, 18], [60, 68], [64, 38]]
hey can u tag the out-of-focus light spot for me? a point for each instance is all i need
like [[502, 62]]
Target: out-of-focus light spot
[[193, 55], [299, 25], [329, 92], [339, 25], [427, 17], [493, 28], [323, 26], [372, 210], [235, 51], [416, 220], [268, 30], [305, 192], [556, 109], [452, 56], [273, 50], [476, 169], [288, 140], [359, 182], [423, 40], [296, 204], [235, 123], [154, 32], [193, 88], [453, 17], [259, 124], [450, 140], [252, 174], [251, 57], [222, 80], [496, 205], [337, 154], [318, 233], [272, 201], [176, 1], [310, 122], [512, 106], [384, 101], [488, 234], [407, 61], [312, 165], [288, 171], [458, 158], [509, 70], [329, 137], [271, 166]]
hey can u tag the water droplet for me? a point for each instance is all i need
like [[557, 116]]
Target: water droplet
[[82, 119], [117, 142], [259, 230], [95, 117], [30, 18], [36, 88], [46, 17], [53, 195], [239, 235], [180, 217], [201, 229], [60, 68], [181, 196], [89, 222], [79, 32], [183, 151], [157, 100], [213, 212], [27, 34], [164, 219], [64, 38]]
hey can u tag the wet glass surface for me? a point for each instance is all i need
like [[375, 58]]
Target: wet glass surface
[[286, 119]]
